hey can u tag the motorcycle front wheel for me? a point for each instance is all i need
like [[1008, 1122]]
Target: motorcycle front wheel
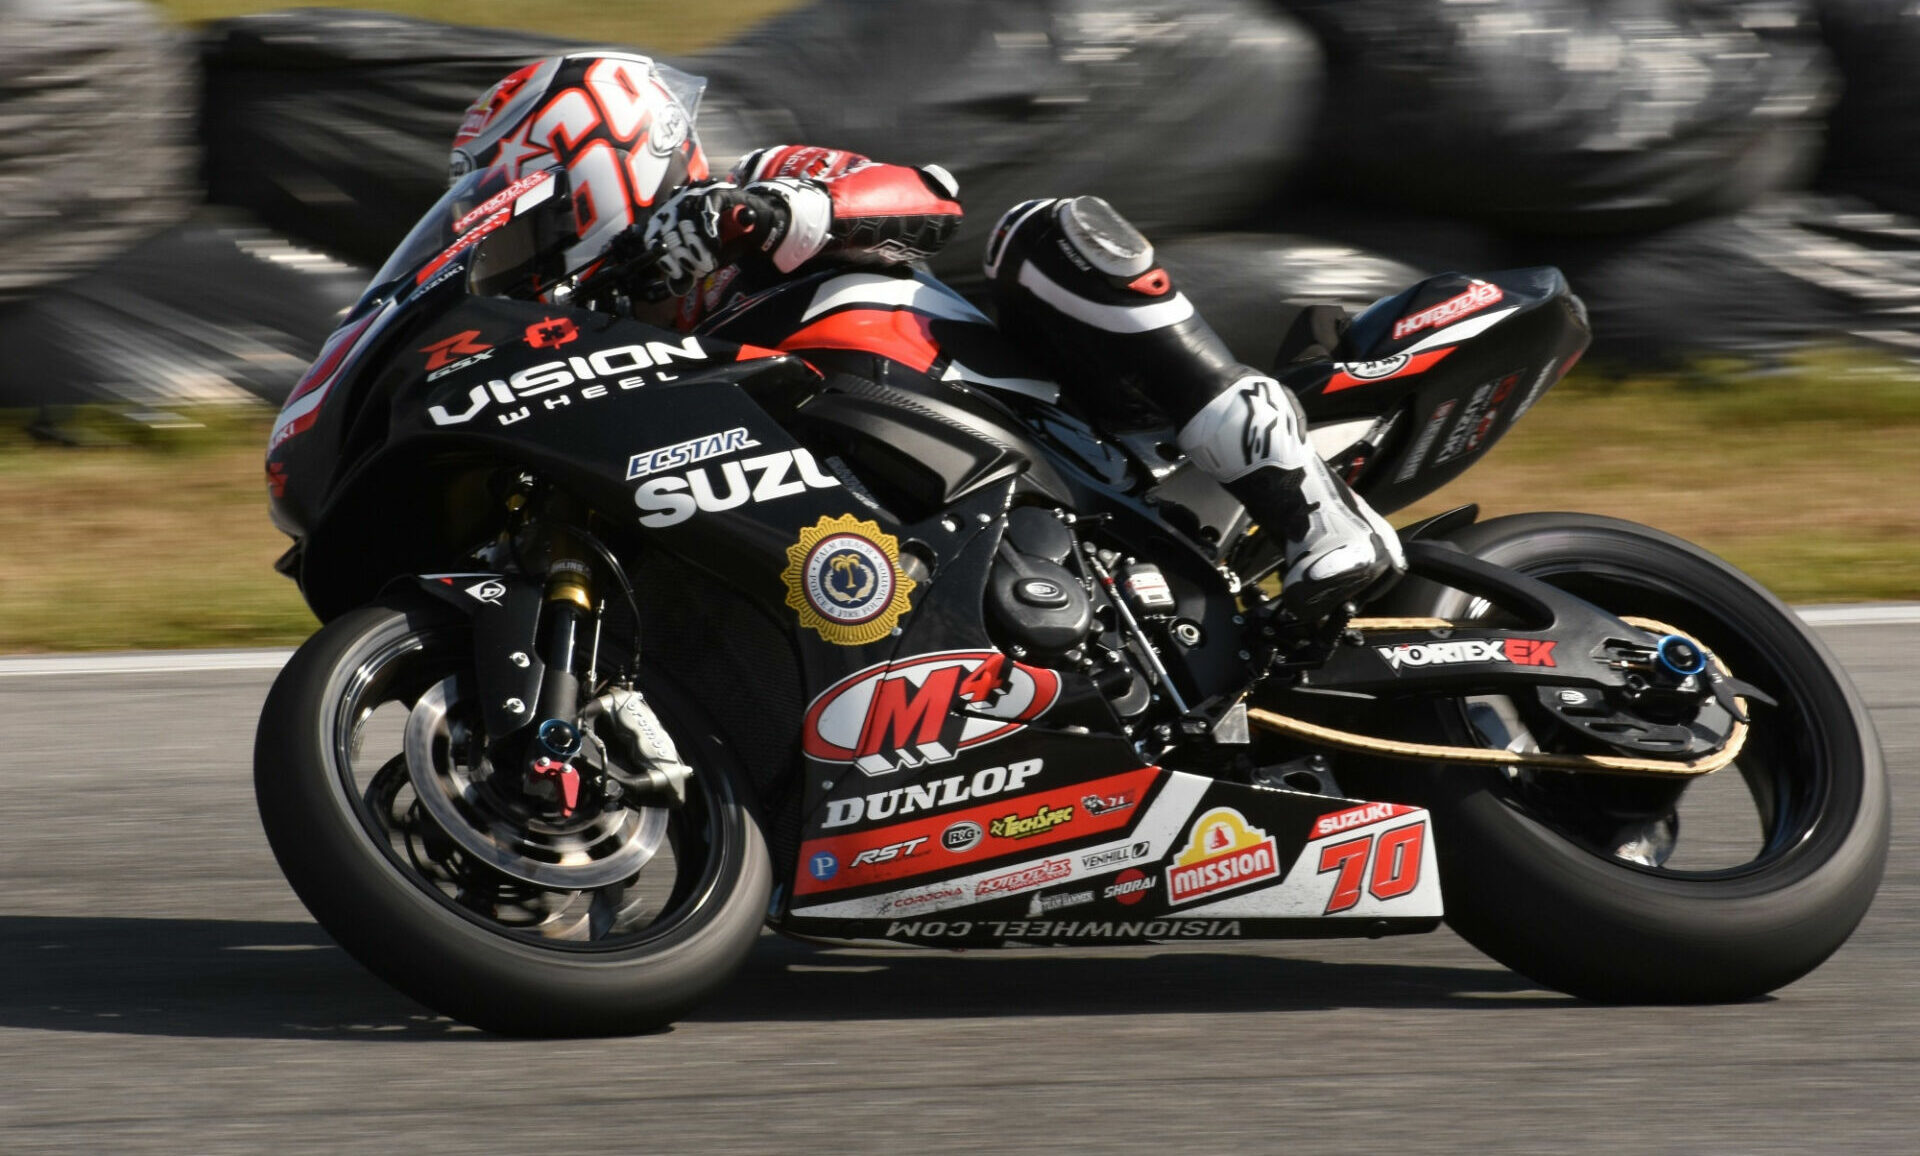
[[613, 921], [1625, 889]]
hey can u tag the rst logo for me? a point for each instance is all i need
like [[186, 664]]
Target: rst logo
[[906, 849], [925, 709], [671, 499], [1518, 651], [601, 371]]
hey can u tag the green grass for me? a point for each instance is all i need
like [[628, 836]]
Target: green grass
[[664, 26]]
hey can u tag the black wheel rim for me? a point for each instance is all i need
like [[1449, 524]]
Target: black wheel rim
[[1787, 766]]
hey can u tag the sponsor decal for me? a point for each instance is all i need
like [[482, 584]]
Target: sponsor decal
[[552, 332], [939, 794], [823, 865], [1032, 821], [916, 900], [1348, 374], [1018, 826], [1394, 856], [1044, 903], [505, 197], [1518, 651], [1338, 821], [1418, 454], [671, 499], [490, 591], [1463, 426], [600, 373], [905, 849], [962, 836], [1130, 886], [910, 712], [467, 240], [844, 578], [1116, 856], [1107, 804], [690, 452], [1478, 437], [1473, 299], [1024, 879], [1066, 929], [453, 352], [1224, 854]]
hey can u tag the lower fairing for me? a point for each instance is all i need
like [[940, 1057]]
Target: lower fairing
[[1198, 860]]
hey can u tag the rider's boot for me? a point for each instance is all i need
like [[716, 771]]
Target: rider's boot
[[1076, 281]]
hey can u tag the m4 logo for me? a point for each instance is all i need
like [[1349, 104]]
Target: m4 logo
[[925, 709]]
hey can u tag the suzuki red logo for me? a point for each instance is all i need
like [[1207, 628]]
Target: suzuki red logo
[[925, 709], [549, 332], [444, 353]]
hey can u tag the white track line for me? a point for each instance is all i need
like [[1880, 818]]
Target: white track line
[[182, 661], [144, 662]]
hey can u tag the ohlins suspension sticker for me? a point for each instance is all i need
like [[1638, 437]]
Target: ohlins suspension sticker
[[844, 578]]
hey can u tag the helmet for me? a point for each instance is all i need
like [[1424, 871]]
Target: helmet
[[621, 125]]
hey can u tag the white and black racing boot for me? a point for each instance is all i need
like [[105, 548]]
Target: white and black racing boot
[[1252, 438], [1077, 283]]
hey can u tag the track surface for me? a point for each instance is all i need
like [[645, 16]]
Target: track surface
[[162, 991]]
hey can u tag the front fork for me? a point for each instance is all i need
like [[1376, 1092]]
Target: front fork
[[552, 765]]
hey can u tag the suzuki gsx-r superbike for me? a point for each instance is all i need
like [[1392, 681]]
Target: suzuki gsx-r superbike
[[636, 642]]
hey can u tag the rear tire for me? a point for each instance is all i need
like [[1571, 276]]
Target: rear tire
[[1568, 914], [336, 845]]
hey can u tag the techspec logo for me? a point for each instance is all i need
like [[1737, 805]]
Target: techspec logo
[[1517, 651], [925, 709]]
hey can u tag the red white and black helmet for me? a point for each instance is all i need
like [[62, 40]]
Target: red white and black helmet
[[620, 124]]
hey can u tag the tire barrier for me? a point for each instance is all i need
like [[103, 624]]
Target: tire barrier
[[1278, 151], [1565, 116], [217, 309], [333, 126], [1184, 114], [97, 99]]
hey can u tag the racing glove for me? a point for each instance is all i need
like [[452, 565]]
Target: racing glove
[[714, 223]]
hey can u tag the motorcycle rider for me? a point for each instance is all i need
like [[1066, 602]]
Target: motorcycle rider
[[1073, 281]]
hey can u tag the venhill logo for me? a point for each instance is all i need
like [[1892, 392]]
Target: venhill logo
[[925, 709]]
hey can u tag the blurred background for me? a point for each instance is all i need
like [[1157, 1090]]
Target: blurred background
[[190, 192]]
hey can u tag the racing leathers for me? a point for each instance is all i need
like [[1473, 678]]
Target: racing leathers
[[1075, 284]]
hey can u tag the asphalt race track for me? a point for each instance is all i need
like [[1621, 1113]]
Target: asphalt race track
[[161, 990]]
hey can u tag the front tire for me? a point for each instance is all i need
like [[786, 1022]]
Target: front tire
[[1527, 879], [385, 881]]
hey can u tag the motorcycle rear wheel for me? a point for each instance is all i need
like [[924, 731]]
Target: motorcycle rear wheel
[[383, 878], [1528, 875]]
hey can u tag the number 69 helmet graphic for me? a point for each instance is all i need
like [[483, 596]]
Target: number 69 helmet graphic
[[619, 124]]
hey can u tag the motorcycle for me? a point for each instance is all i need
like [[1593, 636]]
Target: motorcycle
[[636, 642]]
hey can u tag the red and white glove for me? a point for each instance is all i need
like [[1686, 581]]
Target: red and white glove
[[715, 223]]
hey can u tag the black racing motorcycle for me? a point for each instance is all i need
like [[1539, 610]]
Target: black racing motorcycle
[[637, 641]]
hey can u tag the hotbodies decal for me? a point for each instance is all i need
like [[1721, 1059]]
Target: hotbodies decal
[[924, 709]]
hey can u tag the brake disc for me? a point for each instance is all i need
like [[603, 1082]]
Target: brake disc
[[581, 854]]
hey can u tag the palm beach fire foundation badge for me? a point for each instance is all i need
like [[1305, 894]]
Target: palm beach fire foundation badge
[[1225, 854], [844, 578]]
